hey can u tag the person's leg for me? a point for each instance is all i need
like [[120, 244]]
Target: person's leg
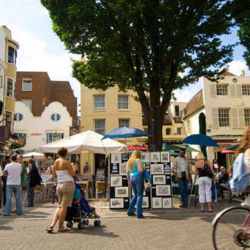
[[139, 189], [9, 192], [134, 199], [55, 218], [208, 193], [62, 215], [183, 191], [17, 192], [202, 198], [32, 195]]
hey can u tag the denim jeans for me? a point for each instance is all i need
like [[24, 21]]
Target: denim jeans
[[137, 184], [10, 189], [183, 191], [30, 193]]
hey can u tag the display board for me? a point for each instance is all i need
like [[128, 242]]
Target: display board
[[158, 166]]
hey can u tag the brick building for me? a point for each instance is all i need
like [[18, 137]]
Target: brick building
[[36, 90]]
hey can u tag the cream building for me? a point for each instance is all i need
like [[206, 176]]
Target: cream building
[[8, 56], [226, 105], [53, 124]]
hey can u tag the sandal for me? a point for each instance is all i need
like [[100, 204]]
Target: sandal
[[49, 229]]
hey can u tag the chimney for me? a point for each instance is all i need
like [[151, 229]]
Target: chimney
[[243, 73]]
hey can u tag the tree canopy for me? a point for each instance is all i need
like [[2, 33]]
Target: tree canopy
[[150, 46]]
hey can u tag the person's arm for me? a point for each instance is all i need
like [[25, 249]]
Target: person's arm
[[174, 169], [140, 167], [128, 174], [71, 169]]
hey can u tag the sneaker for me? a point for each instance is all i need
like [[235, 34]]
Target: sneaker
[[131, 214], [140, 217]]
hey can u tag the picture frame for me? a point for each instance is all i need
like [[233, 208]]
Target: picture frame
[[156, 169], [166, 202], [165, 157], [156, 202], [123, 168], [116, 203], [144, 157], [159, 179], [145, 202], [163, 190], [114, 168], [121, 192], [155, 157], [115, 181], [116, 158]]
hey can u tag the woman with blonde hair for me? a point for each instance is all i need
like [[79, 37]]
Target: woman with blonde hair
[[135, 178]]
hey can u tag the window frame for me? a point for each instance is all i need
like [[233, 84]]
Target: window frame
[[120, 120], [247, 116], [100, 102], [100, 130], [12, 56], [245, 89], [224, 121], [54, 136], [19, 116], [24, 81], [222, 89], [121, 104], [10, 90], [56, 116]]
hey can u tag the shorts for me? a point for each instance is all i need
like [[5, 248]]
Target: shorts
[[65, 192]]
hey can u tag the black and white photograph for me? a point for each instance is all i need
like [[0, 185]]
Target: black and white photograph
[[121, 192], [145, 157], [115, 158], [114, 168], [163, 190], [145, 202], [116, 181], [165, 157], [116, 203], [156, 169], [156, 202], [159, 179], [123, 168], [166, 203], [155, 157]]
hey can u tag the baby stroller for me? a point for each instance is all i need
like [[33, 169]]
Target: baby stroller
[[81, 211]]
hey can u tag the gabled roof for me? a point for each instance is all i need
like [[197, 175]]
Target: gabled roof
[[195, 104]]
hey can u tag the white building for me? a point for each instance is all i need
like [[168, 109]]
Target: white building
[[53, 124], [226, 106]]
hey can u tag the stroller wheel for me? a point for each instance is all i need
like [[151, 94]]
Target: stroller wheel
[[85, 222], [80, 225], [69, 224], [97, 223]]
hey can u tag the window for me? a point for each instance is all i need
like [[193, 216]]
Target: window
[[12, 55], [18, 117], [27, 102], [123, 123], [245, 89], [223, 117], [247, 116], [99, 102], [168, 131], [55, 117], [177, 110], [100, 126], [27, 85], [122, 102], [178, 131], [53, 136], [10, 85], [222, 89], [8, 119]]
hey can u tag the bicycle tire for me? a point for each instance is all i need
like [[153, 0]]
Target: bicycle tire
[[230, 220]]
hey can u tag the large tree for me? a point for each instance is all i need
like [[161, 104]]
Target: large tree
[[150, 46]]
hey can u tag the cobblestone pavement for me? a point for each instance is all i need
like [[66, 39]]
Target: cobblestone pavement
[[169, 229]]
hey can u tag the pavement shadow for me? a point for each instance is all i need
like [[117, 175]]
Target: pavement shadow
[[95, 230]]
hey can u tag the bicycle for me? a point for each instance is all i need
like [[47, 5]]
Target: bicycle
[[231, 228]]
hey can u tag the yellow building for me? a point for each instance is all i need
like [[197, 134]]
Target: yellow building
[[102, 111], [8, 55]]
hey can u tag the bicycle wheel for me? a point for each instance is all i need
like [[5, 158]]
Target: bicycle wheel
[[231, 229]]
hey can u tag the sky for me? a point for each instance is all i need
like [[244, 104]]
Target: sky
[[41, 50]]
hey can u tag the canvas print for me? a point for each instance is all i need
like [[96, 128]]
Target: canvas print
[[165, 157], [155, 157], [115, 158], [116, 181], [163, 190], [166, 202], [123, 168], [156, 202], [145, 157], [121, 192], [156, 169], [116, 203], [159, 179]]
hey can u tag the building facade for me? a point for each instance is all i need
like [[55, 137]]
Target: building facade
[[8, 57], [45, 110], [226, 106]]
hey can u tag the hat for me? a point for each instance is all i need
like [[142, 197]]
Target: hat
[[200, 156]]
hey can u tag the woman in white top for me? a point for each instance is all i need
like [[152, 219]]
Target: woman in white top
[[64, 172]]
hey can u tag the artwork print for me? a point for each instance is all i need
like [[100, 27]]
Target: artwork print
[[116, 181], [121, 192], [115, 158], [165, 157], [159, 179], [155, 157], [156, 169], [123, 168], [163, 190], [166, 202], [156, 202], [116, 203], [145, 157]]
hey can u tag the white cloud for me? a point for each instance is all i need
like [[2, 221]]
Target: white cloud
[[237, 66]]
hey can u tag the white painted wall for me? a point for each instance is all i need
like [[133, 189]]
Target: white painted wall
[[37, 127]]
